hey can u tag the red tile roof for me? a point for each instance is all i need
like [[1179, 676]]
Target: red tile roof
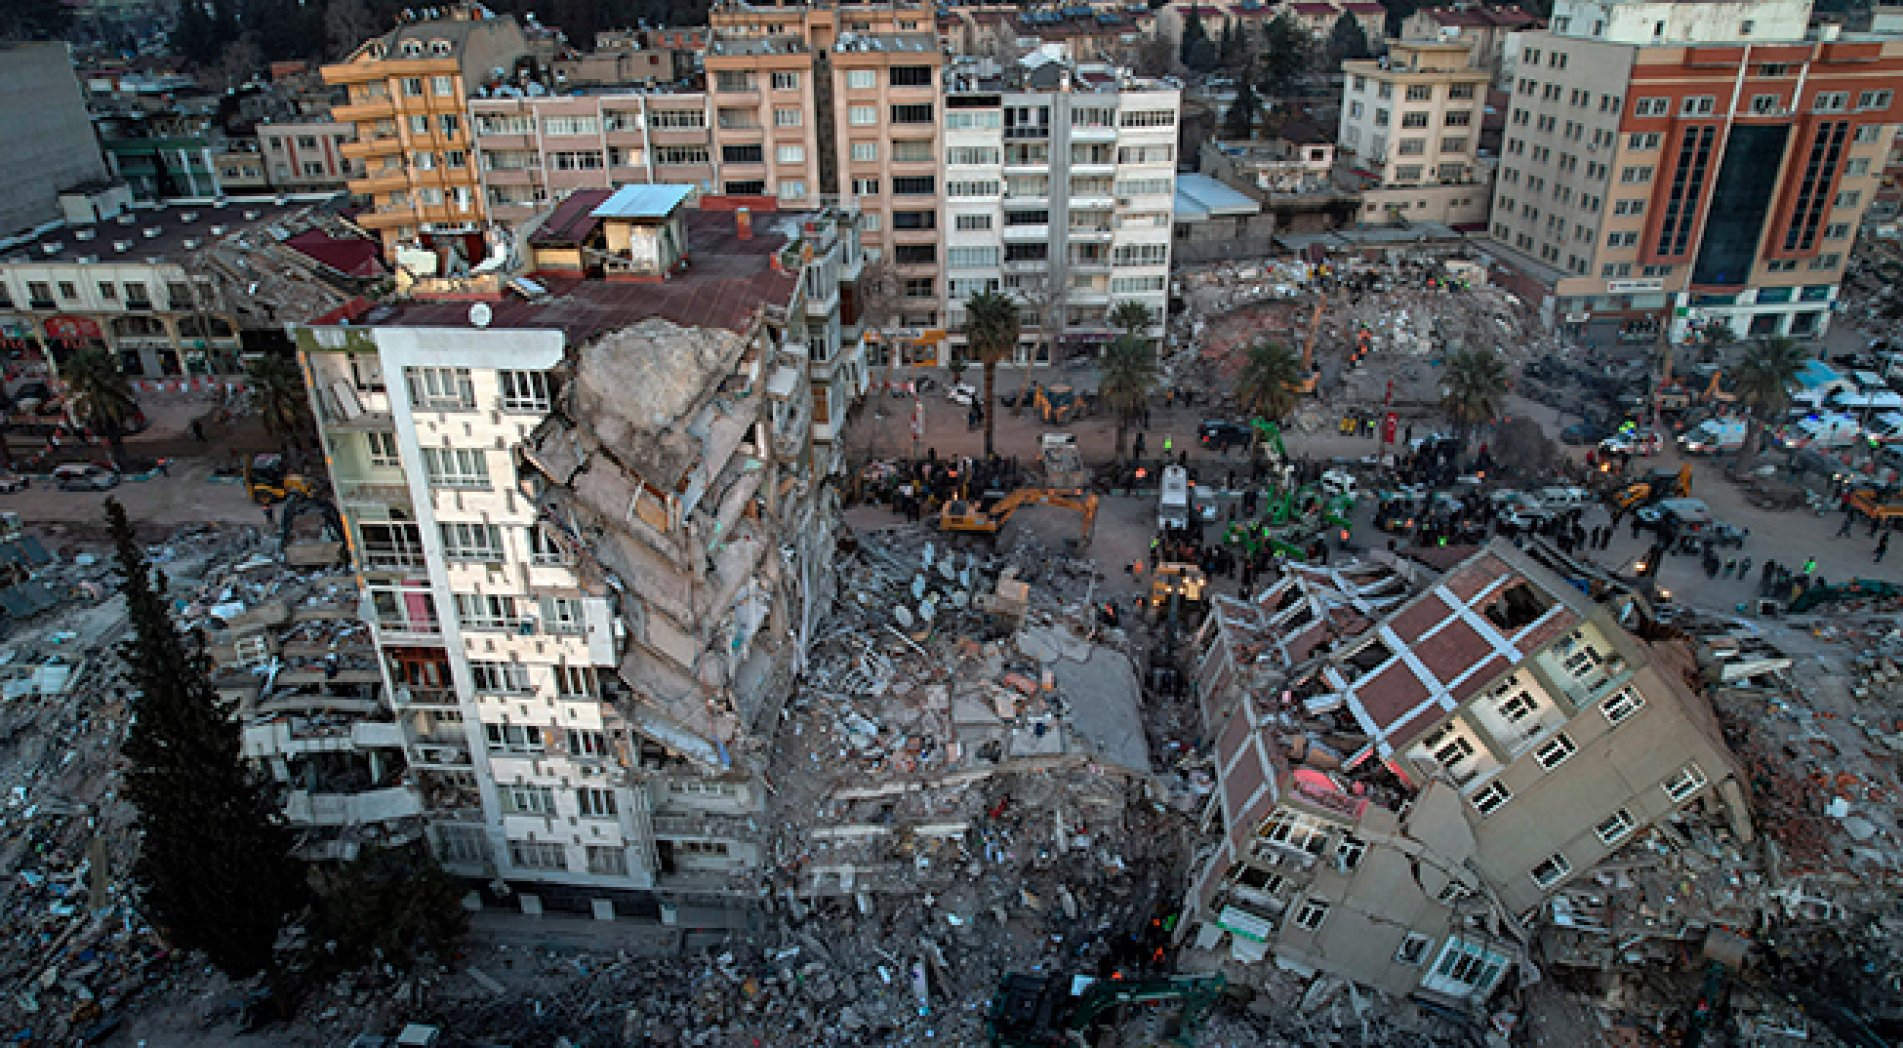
[[353, 257]]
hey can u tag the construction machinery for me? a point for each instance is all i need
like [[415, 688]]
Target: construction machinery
[[1056, 404], [1657, 486], [969, 516], [268, 480], [1874, 506], [1855, 589], [1312, 374], [1048, 1011], [1063, 462], [1185, 581]]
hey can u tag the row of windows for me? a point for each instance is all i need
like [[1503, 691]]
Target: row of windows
[[1707, 105]]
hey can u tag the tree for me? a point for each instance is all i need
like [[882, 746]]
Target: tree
[[34, 20], [1153, 56], [1269, 380], [1133, 317], [214, 870], [197, 34], [1347, 41], [1197, 52], [1764, 382], [1472, 390], [1129, 374], [1287, 51], [391, 906], [1232, 50], [347, 23], [277, 390], [991, 330], [881, 292], [1239, 121], [1045, 299], [102, 398]]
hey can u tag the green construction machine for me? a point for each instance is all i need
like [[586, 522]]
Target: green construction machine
[[1059, 1011], [1855, 589]]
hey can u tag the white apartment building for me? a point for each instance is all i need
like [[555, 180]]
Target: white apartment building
[[1065, 192], [1410, 134]]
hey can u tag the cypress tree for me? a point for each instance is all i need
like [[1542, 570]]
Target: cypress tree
[[215, 870]]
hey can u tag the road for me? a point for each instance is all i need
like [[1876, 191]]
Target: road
[[158, 505]]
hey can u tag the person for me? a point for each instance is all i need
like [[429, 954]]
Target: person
[[1883, 546], [1810, 565], [1844, 529]]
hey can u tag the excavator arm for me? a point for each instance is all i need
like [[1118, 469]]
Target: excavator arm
[[961, 516]]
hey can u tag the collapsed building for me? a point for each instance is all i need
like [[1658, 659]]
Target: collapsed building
[[585, 500], [1411, 761]]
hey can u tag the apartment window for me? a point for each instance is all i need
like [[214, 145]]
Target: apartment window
[[1312, 913], [971, 257], [912, 113], [527, 800], [1830, 101], [914, 185], [910, 76], [914, 220], [1141, 255], [545, 549], [1413, 951], [381, 449], [596, 803], [1489, 798], [1857, 167], [916, 254], [1408, 173], [1450, 749], [701, 849], [419, 125], [790, 154], [486, 611], [865, 152], [1411, 146], [971, 223], [1469, 965], [786, 81], [465, 541], [1414, 120], [1296, 831], [1689, 780], [862, 116], [513, 738], [1873, 100], [1622, 704], [974, 120], [1420, 92], [1869, 133], [920, 287], [680, 156], [1628, 239], [507, 678], [1518, 707], [442, 389], [1453, 145], [1554, 751], [1147, 118], [575, 682], [562, 615], [413, 86], [786, 116], [677, 119], [583, 742], [609, 860], [456, 467], [865, 187], [1697, 105], [752, 153], [1355, 110], [523, 390], [1847, 198], [1551, 870], [912, 152], [860, 79], [1628, 207], [1456, 118], [461, 844], [1651, 106], [1348, 853], [1615, 827], [1380, 117], [1635, 176], [733, 80], [1837, 231], [538, 855]]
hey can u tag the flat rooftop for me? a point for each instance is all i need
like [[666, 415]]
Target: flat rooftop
[[726, 280], [169, 232]]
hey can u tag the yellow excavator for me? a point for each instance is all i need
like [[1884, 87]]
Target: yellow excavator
[[1171, 579], [968, 516], [269, 481], [1312, 374], [1662, 484]]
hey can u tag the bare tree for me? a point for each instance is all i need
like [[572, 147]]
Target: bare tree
[[240, 59], [1045, 299], [347, 23], [881, 292]]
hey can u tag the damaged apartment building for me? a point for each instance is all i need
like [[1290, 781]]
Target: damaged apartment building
[[1411, 761], [586, 498]]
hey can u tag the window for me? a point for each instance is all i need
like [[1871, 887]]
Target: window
[[970, 120], [545, 549], [1858, 166], [506, 678], [419, 125], [1552, 753], [1615, 827], [1869, 133], [1643, 141], [538, 855], [1628, 207], [596, 803], [523, 390], [860, 79], [1490, 798], [1518, 707], [910, 76], [751, 153], [611, 860], [1551, 870], [1141, 255], [865, 152], [1348, 853], [413, 86], [1414, 120], [1296, 831], [1413, 950], [786, 117], [680, 155], [381, 449], [1420, 92], [786, 81], [1627, 239], [677, 119], [912, 113], [970, 223], [1830, 101], [527, 800], [1697, 105], [1312, 913], [1469, 966], [461, 844], [1689, 780], [914, 220], [914, 185], [1147, 118], [790, 155], [1622, 704], [513, 738], [442, 389], [862, 116], [972, 189], [1651, 106], [912, 152], [1632, 176], [1411, 147], [575, 682], [464, 541], [583, 742], [1873, 100], [562, 615], [917, 254], [486, 611], [865, 187], [1453, 144], [1847, 198], [1449, 748], [971, 257], [456, 467], [701, 849]]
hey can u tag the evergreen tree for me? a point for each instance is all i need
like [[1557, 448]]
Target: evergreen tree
[[1239, 122], [1347, 41], [1230, 52], [1198, 52], [214, 869], [196, 34], [1287, 50]]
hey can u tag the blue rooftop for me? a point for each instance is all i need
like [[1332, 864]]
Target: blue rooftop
[[1816, 373], [1200, 198], [658, 201]]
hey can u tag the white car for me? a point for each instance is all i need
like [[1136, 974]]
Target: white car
[[962, 393]]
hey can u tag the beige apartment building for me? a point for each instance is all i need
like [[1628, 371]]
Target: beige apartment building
[[306, 155], [408, 93], [1691, 165], [531, 151], [1410, 134]]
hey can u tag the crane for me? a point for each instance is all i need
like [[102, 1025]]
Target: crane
[[966, 515], [1311, 373]]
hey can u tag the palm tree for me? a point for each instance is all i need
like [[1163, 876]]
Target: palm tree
[[1764, 382], [1269, 380], [991, 329], [1129, 373], [1472, 390], [1133, 317], [102, 398], [277, 389]]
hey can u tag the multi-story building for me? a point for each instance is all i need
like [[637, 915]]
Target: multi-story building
[[407, 99], [50, 142], [1697, 163], [1410, 134], [1411, 760], [534, 150], [594, 539], [305, 156], [1062, 195], [1483, 28]]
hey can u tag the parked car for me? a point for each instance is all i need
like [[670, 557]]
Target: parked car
[[1635, 442], [1523, 514], [1583, 434], [961, 393], [1220, 434], [10, 482], [1714, 435], [84, 476], [1723, 535], [1565, 497]]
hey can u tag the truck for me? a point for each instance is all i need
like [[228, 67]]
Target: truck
[[1714, 435], [1172, 509], [1063, 463]]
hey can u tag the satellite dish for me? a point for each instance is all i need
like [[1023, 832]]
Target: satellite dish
[[481, 314]]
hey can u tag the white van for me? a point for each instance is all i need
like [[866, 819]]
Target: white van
[[1172, 511], [1822, 431], [1714, 435], [1564, 498]]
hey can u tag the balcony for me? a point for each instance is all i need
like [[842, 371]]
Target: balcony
[[367, 109], [370, 146], [408, 631], [1020, 134], [385, 180], [409, 697], [1093, 134], [373, 493], [1027, 234], [1092, 234], [352, 809]]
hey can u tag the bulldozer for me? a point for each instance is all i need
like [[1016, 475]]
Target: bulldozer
[[268, 480], [1056, 404], [1658, 486], [1171, 579], [1052, 1010], [969, 516]]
